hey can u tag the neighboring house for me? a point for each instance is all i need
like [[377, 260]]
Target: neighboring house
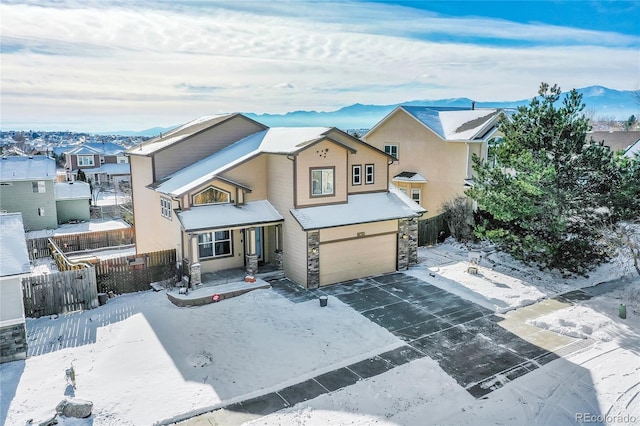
[[616, 140], [27, 186], [73, 201], [14, 265], [100, 162], [229, 192], [433, 148]]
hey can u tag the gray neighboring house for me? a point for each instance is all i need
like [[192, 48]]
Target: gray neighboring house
[[14, 265], [27, 186], [618, 140], [73, 201]]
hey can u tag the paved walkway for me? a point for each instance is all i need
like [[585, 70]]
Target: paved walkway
[[480, 350]]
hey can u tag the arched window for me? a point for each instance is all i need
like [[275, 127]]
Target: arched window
[[211, 195]]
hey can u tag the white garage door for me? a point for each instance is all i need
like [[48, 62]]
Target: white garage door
[[346, 260]]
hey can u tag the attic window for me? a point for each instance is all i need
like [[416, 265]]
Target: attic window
[[211, 195]]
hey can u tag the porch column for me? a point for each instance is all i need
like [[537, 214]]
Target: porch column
[[251, 253], [403, 244], [278, 260], [194, 266]]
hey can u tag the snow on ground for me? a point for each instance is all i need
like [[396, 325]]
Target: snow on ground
[[502, 283], [109, 198], [141, 359]]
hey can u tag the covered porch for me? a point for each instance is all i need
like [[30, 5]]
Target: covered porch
[[224, 243]]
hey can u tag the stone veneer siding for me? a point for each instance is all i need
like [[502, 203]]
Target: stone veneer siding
[[313, 259], [413, 241], [13, 342]]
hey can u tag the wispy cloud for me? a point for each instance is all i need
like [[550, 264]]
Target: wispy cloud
[[174, 61]]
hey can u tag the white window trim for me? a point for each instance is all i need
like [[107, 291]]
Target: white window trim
[[90, 162], [392, 146], [417, 191], [40, 187], [165, 208], [357, 167], [369, 177], [214, 241]]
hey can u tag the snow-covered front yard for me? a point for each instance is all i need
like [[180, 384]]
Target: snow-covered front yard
[[142, 360]]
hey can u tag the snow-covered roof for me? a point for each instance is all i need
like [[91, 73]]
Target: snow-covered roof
[[452, 123], [110, 169], [414, 177], [281, 140], [178, 134], [72, 190], [360, 208], [14, 258], [92, 148], [225, 216], [27, 168], [633, 150], [406, 199]]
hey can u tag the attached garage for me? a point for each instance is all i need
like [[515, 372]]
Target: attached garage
[[356, 258]]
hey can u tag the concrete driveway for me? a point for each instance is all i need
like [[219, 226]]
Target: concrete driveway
[[467, 340]]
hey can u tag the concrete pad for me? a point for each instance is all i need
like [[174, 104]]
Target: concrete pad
[[265, 404], [222, 417], [337, 379], [303, 391], [398, 315], [401, 355], [370, 367]]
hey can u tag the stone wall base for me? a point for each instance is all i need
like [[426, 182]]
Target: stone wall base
[[13, 342]]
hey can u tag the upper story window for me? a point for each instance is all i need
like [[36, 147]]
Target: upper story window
[[85, 160], [122, 160], [39, 186], [322, 182], [215, 244], [415, 195], [356, 174], [369, 173], [212, 195], [165, 207], [392, 150]]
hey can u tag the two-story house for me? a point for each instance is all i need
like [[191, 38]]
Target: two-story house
[[433, 148], [27, 186], [229, 192], [101, 162]]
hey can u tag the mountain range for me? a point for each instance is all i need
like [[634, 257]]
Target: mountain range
[[601, 102]]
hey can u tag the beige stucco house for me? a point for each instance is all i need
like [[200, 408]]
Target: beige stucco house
[[433, 148], [229, 192]]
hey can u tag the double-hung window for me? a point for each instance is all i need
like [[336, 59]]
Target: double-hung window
[[356, 174], [322, 182], [415, 195], [165, 207], [39, 186], [392, 150], [369, 173], [215, 244]]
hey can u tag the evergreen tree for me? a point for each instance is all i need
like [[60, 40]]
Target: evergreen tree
[[551, 191]]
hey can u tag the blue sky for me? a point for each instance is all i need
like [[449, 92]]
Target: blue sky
[[116, 65]]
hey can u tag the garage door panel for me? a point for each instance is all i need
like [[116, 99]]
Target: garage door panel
[[346, 260]]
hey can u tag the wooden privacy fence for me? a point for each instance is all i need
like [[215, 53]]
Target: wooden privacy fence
[[129, 274], [429, 230], [59, 292], [62, 261], [39, 247]]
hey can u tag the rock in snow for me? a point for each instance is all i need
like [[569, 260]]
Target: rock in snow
[[75, 407]]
